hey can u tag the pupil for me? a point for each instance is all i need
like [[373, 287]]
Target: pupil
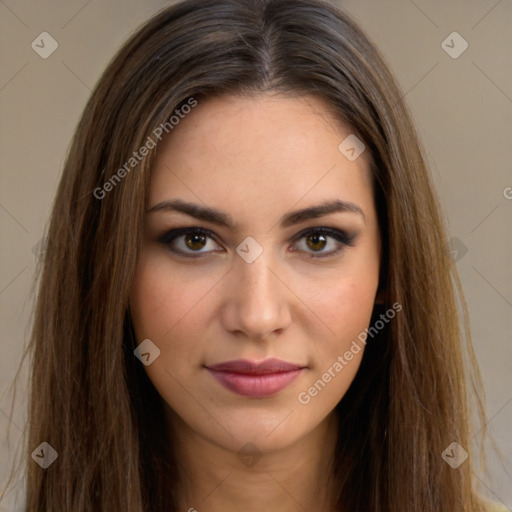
[[313, 240], [195, 241]]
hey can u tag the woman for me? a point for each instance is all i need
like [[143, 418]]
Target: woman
[[246, 301]]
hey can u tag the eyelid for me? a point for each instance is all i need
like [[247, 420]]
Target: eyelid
[[171, 234], [336, 233]]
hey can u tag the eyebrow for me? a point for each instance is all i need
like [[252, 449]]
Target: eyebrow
[[215, 216]]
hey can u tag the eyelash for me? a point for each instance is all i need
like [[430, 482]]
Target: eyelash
[[340, 236]]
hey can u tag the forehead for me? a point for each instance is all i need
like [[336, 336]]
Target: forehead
[[254, 150]]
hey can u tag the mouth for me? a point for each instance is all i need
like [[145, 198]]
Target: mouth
[[255, 379]]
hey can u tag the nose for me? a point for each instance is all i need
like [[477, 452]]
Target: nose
[[256, 302]]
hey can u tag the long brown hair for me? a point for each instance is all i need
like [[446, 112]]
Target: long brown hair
[[90, 398]]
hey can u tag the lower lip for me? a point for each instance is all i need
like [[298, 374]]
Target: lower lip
[[256, 386]]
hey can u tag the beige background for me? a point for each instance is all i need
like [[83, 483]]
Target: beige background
[[463, 110]]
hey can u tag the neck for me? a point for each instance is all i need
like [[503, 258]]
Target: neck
[[290, 479]]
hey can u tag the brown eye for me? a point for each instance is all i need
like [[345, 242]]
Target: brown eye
[[195, 241], [316, 242]]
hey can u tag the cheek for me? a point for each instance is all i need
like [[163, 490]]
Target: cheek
[[345, 305], [170, 308], [159, 303], [348, 314], [152, 301], [347, 311], [163, 299], [173, 309], [351, 306], [353, 299]]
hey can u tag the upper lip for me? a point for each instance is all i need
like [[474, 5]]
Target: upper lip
[[245, 366]]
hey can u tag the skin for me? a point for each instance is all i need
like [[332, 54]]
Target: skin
[[256, 159]]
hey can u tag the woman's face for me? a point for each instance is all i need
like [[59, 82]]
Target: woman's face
[[283, 270]]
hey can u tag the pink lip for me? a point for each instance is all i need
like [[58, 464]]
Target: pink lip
[[257, 380]]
